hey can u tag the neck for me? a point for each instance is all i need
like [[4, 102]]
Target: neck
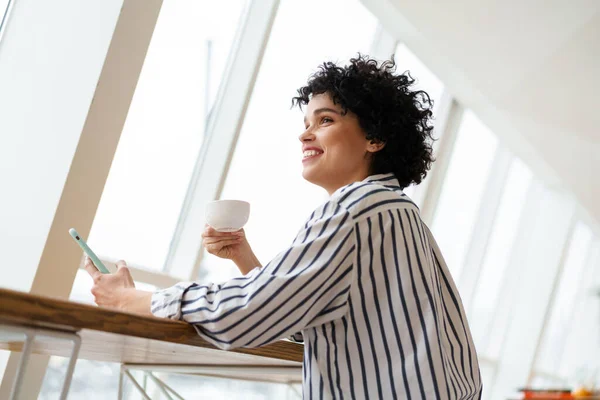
[[331, 189]]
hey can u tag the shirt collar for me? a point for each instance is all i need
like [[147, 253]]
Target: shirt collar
[[388, 179]]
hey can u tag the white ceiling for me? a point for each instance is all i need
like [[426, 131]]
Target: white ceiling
[[530, 70]]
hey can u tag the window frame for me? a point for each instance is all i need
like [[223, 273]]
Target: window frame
[[226, 119], [4, 21]]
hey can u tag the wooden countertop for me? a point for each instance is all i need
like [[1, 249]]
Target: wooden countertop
[[130, 338]]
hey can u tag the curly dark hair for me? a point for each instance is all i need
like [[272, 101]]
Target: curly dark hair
[[388, 111]]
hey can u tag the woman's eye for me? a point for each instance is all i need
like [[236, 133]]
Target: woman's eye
[[326, 119]]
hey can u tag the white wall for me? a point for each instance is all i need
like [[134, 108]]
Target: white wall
[[51, 56]]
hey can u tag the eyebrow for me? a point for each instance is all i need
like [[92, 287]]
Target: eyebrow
[[322, 110]]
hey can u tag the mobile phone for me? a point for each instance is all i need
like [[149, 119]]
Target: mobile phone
[[97, 263]]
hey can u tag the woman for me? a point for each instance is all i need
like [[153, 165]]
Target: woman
[[364, 280]]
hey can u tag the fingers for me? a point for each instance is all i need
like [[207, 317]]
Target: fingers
[[91, 269], [214, 246], [211, 236], [209, 231], [109, 289], [222, 243], [230, 239], [217, 248]]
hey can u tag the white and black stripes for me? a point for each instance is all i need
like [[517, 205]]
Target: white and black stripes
[[366, 284]]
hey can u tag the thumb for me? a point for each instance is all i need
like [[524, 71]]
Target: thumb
[[123, 270], [121, 266]]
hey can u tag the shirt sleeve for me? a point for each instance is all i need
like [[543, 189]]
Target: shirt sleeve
[[304, 286]]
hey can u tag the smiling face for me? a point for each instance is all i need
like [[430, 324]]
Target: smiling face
[[335, 149]]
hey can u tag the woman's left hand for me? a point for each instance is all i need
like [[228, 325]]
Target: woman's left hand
[[111, 290]]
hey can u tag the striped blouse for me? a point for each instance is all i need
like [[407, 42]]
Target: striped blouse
[[365, 283]]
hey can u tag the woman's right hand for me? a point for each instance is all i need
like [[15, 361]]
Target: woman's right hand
[[232, 246], [227, 245]]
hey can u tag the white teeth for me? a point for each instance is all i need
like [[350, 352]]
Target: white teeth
[[310, 153]]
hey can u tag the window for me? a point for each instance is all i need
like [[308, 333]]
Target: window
[[487, 370], [190, 387], [106, 378], [425, 80], [161, 139], [463, 186], [580, 353], [496, 260], [266, 169], [92, 380], [570, 284]]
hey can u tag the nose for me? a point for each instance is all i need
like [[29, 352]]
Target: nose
[[306, 136]]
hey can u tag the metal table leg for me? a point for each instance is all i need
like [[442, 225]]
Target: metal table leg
[[204, 370], [163, 387], [167, 387], [137, 385], [121, 372], [18, 382], [30, 336], [71, 367]]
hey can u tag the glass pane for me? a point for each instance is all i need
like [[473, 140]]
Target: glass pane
[[569, 285], [550, 203], [410, 192], [190, 387], [496, 259], [580, 357], [163, 132], [462, 189], [266, 169], [4, 355], [488, 371], [92, 380], [425, 79]]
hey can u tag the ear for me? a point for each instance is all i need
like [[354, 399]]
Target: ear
[[374, 146]]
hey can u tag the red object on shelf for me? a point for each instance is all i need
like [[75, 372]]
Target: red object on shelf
[[546, 395]]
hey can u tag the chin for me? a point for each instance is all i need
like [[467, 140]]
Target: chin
[[307, 175], [310, 176]]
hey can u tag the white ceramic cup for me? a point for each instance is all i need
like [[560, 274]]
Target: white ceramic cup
[[227, 215]]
